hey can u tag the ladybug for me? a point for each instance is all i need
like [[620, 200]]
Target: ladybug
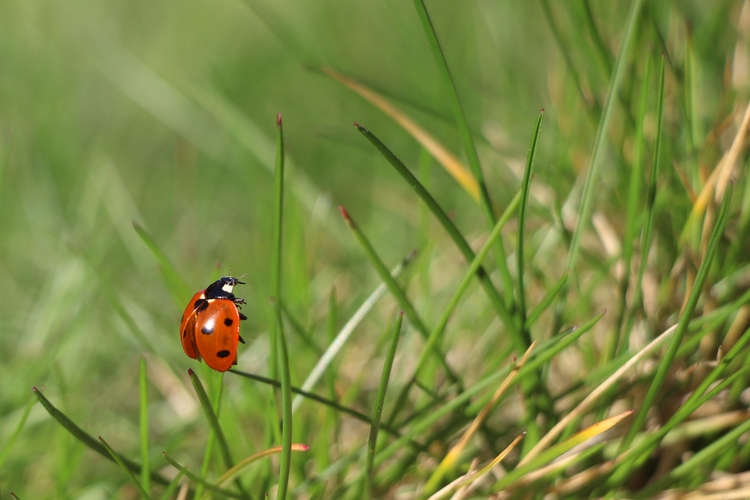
[[210, 326]]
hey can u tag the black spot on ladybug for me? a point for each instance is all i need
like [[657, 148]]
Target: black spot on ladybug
[[223, 353], [200, 305], [228, 321], [208, 329]]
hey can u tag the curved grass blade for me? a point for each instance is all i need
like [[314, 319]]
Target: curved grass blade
[[243, 464], [379, 402], [467, 141], [682, 326], [546, 300], [197, 480], [525, 191], [453, 232], [9, 443], [449, 161], [143, 387], [345, 333], [177, 287], [88, 440], [395, 289], [286, 408], [123, 466]]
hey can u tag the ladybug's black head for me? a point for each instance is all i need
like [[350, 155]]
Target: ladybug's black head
[[222, 288]]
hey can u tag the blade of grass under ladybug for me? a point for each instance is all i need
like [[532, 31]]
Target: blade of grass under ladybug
[[172, 486], [555, 451], [616, 82], [451, 488], [202, 482], [379, 402], [218, 392], [243, 464], [397, 292], [322, 365], [143, 387], [89, 440], [463, 246], [695, 294], [177, 287], [286, 408], [525, 191], [648, 230], [467, 142], [213, 422], [133, 479], [449, 161], [9, 443]]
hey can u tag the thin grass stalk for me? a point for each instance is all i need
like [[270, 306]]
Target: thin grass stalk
[[631, 211], [145, 460], [385, 376], [525, 191], [89, 440], [587, 194], [543, 304], [172, 486], [9, 443], [144, 494], [396, 290], [467, 142], [695, 294], [211, 441], [648, 230]]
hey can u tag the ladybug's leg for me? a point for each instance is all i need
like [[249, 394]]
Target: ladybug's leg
[[242, 316]]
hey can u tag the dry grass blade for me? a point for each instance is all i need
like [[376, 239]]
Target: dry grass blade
[[453, 455], [447, 159], [595, 394], [470, 478]]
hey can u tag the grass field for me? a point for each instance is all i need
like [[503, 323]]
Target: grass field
[[574, 322]]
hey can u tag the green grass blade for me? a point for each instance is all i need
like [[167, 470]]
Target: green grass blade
[[143, 386], [343, 336], [286, 409], [463, 245], [525, 191], [278, 211], [467, 141], [695, 294], [205, 484], [172, 487], [177, 287], [395, 289], [123, 466], [618, 76], [89, 440], [648, 230], [379, 402], [9, 443]]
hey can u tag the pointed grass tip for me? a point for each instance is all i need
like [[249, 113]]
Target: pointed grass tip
[[278, 120], [345, 215], [190, 372]]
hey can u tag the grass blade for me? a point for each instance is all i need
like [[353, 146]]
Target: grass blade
[[143, 386], [546, 300], [451, 164], [525, 191], [395, 289], [467, 141], [89, 440], [346, 332], [243, 464], [286, 408], [378, 411], [123, 466], [197, 480], [682, 326], [9, 443]]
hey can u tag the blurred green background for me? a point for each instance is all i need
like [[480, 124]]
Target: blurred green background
[[163, 113]]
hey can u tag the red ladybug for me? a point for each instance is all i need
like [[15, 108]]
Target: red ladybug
[[210, 326]]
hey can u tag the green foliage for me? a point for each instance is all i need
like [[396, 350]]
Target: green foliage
[[140, 158]]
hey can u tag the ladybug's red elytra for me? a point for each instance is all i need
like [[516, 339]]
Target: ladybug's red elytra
[[210, 326]]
